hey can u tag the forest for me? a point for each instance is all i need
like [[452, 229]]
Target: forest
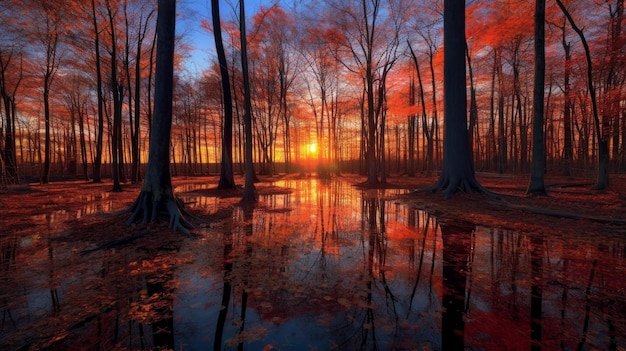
[[330, 83], [338, 175]]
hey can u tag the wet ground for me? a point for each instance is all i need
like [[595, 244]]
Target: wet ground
[[319, 265]]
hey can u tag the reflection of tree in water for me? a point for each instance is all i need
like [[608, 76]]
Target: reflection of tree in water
[[536, 294], [238, 268], [374, 289], [456, 263], [52, 280], [415, 220], [8, 262], [227, 263]]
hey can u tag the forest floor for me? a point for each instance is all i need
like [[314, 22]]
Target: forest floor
[[570, 205], [73, 219]]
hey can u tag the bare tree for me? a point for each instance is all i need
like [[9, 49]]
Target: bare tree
[[603, 142], [249, 191], [8, 91], [227, 180]]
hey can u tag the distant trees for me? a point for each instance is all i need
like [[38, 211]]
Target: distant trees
[[46, 23], [601, 133], [367, 37], [364, 85]]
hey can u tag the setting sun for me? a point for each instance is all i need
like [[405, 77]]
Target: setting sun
[[312, 148]]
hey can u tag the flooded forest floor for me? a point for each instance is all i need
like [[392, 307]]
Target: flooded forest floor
[[570, 205], [71, 219]]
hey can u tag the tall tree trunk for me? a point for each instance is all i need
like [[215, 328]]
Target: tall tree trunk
[[249, 191], [97, 163], [83, 143], [536, 186], [457, 172], [117, 89], [502, 137], [426, 130], [46, 108], [568, 149], [372, 161], [492, 147], [8, 100], [227, 180], [157, 194]]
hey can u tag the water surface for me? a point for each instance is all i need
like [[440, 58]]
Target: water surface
[[324, 266]]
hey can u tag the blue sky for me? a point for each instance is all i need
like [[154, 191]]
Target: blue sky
[[191, 12]]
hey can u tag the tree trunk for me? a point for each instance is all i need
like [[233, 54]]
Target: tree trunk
[[117, 89], [83, 143], [536, 186], [157, 195], [227, 180], [97, 163], [47, 153], [249, 191], [602, 180], [8, 99], [568, 149], [457, 172]]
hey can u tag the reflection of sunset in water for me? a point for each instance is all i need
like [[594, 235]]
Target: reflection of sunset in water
[[318, 264], [329, 264]]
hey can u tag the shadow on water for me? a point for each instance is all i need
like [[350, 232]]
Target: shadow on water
[[326, 266]]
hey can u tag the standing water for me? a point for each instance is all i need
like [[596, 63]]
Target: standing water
[[323, 266]]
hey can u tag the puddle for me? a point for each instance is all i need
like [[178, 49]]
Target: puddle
[[326, 266]]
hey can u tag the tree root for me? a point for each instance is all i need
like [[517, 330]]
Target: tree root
[[146, 210], [450, 185]]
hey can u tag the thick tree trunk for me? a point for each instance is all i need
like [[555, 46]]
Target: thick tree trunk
[[457, 172], [157, 195]]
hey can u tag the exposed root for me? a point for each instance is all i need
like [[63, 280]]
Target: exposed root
[[147, 210], [450, 185]]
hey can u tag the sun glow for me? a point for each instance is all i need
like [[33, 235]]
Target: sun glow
[[312, 148]]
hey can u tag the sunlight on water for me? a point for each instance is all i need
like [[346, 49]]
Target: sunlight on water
[[320, 265], [329, 266]]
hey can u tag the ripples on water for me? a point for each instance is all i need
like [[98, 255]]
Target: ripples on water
[[330, 266]]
